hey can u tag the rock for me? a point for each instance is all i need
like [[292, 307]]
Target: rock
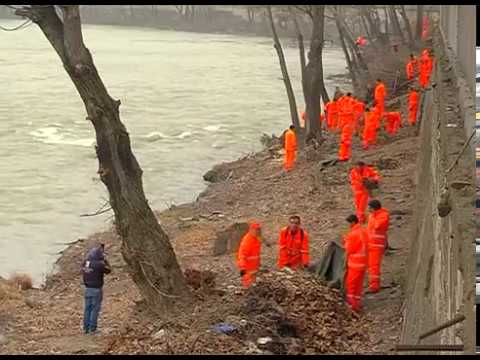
[[217, 174], [264, 340], [228, 240], [159, 334], [3, 340]]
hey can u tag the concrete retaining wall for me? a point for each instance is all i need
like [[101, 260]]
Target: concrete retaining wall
[[441, 272]]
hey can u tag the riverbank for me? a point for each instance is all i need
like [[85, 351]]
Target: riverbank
[[49, 320]]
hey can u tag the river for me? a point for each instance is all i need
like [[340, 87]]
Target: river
[[189, 101]]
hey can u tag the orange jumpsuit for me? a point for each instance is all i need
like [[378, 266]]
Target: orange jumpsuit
[[378, 222], [345, 150], [293, 248], [412, 107], [290, 149], [370, 128], [426, 67], [358, 109], [248, 258], [345, 111], [412, 68], [380, 94], [361, 41], [360, 192], [332, 114], [355, 243], [425, 28], [393, 122]]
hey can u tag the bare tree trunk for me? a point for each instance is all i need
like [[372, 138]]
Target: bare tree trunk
[[419, 22], [314, 75], [145, 246], [357, 58], [411, 40], [396, 22], [283, 66], [323, 90], [301, 50], [386, 20], [345, 50]]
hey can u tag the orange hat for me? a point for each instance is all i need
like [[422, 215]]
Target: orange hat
[[255, 225]]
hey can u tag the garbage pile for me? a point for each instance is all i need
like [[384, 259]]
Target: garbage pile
[[283, 313], [300, 316]]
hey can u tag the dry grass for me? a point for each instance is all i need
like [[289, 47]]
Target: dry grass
[[21, 281]]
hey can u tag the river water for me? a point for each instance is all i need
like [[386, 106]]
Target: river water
[[189, 101]]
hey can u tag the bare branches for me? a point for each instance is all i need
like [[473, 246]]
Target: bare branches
[[100, 211], [23, 25]]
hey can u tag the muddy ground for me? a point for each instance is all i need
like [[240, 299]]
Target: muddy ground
[[49, 320]]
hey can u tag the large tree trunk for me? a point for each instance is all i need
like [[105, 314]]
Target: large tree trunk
[[314, 75], [145, 246], [301, 50], [418, 31], [411, 40], [283, 67]]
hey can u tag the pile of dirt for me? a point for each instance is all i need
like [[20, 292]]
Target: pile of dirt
[[283, 313], [300, 316]]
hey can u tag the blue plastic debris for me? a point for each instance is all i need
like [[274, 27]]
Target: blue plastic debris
[[224, 328]]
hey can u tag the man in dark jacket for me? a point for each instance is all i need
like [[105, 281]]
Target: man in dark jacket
[[94, 267]]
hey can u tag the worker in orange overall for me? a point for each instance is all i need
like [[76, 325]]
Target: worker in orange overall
[[293, 245], [358, 111], [361, 41], [380, 94], [358, 176], [290, 147], [345, 110], [331, 110], [370, 128], [412, 67], [248, 256], [378, 223], [346, 135], [412, 106], [426, 67], [425, 26], [356, 253], [393, 121]]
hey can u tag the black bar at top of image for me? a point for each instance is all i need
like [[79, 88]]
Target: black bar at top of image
[[478, 41]]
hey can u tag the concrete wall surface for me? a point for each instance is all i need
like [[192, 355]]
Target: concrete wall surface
[[441, 270], [459, 24]]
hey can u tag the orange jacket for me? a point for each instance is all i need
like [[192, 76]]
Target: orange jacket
[[412, 68], [371, 120], [357, 176], [393, 117], [248, 256], [290, 140], [293, 250], [378, 223], [359, 108], [426, 62], [345, 105], [380, 92], [356, 247], [412, 99], [331, 107]]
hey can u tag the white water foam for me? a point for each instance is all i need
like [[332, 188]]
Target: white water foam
[[212, 128], [50, 135]]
